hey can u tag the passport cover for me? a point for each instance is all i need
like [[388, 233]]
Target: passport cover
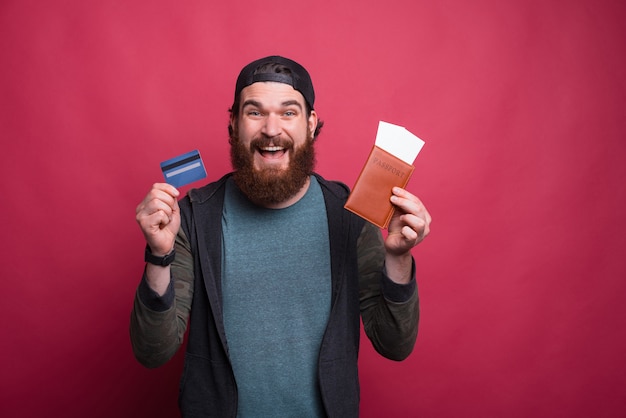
[[371, 192]]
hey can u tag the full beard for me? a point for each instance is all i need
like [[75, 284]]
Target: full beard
[[271, 186]]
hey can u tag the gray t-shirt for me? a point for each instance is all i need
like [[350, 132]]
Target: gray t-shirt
[[276, 294]]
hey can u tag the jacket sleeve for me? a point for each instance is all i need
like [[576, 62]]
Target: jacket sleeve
[[158, 323], [390, 311]]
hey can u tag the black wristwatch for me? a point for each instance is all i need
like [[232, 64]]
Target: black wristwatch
[[166, 260]]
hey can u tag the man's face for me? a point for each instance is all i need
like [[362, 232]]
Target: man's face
[[272, 148]]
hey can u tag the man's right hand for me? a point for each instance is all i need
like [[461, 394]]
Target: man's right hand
[[158, 216]]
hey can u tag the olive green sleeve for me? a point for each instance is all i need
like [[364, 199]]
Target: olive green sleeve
[[158, 323], [390, 311]]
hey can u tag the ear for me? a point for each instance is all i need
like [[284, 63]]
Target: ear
[[232, 125], [312, 122]]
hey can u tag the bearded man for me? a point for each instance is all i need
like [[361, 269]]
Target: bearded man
[[270, 272]]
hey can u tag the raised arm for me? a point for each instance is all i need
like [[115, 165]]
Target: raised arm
[[388, 289], [163, 298]]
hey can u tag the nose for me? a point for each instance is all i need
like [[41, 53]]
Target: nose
[[271, 127]]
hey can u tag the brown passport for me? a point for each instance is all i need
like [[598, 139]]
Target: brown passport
[[371, 192]]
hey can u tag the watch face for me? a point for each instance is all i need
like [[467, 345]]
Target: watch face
[[167, 260]]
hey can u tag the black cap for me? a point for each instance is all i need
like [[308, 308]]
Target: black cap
[[299, 78]]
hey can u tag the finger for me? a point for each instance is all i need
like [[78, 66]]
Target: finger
[[149, 207], [160, 192], [409, 203], [166, 188], [164, 192], [410, 234], [155, 217], [404, 193], [155, 221], [415, 228]]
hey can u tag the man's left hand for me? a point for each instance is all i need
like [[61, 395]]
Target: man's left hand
[[409, 225]]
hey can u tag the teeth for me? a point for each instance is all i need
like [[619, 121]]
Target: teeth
[[271, 149]]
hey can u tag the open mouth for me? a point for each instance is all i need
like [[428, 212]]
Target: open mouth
[[271, 151]]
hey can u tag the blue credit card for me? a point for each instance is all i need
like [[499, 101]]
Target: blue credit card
[[184, 169]]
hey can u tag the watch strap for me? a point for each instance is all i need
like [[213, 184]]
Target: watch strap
[[166, 260]]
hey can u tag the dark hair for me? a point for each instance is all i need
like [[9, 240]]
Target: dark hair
[[270, 68]]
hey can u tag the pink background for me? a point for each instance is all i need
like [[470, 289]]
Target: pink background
[[521, 105]]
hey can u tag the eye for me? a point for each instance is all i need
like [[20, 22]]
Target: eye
[[290, 113]]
